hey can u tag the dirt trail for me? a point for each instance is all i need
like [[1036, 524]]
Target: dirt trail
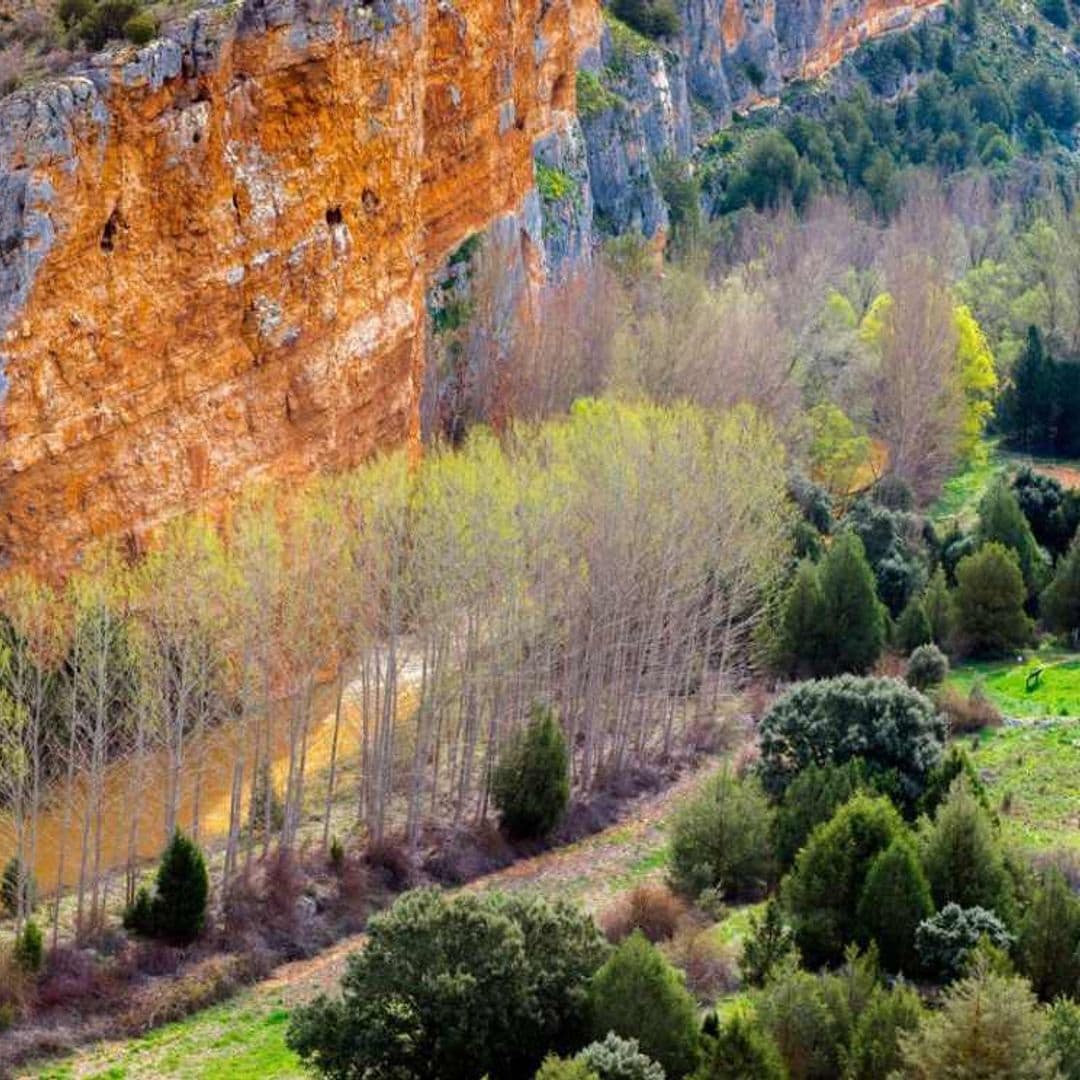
[[590, 872]]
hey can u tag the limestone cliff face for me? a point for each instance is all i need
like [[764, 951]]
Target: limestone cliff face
[[217, 252], [214, 251]]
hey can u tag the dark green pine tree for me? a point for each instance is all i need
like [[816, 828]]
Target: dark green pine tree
[[182, 891], [804, 617], [853, 628], [531, 784], [1001, 521], [1028, 403]]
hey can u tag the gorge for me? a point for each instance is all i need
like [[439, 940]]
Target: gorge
[[220, 253]]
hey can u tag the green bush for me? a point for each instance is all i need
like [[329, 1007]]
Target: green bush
[[437, 972], [988, 1026], [894, 900], [893, 728], [794, 1012], [531, 784], [875, 1041], [619, 1059], [927, 667], [767, 947], [913, 628], [946, 940], [938, 606], [29, 948], [720, 838], [141, 28], [822, 893], [1060, 601], [963, 858], [1063, 1037], [653, 18], [105, 22], [954, 764], [72, 12], [556, 1068], [741, 1050], [637, 994], [815, 794], [1048, 950], [988, 604], [802, 623]]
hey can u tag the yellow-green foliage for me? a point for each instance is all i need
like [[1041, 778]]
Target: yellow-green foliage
[[837, 450], [978, 378]]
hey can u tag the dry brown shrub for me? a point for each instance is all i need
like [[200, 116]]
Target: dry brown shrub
[[890, 666], [711, 969], [969, 713], [651, 908], [205, 983], [390, 862], [746, 758]]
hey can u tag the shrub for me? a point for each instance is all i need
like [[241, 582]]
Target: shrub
[[177, 910], [988, 604], [71, 12], [436, 972], [815, 794], [651, 908], [913, 628], [1063, 1037], [970, 713], [555, 1068], [29, 948], [955, 763], [822, 892], [962, 857], [531, 784], [653, 18], [1060, 601], [106, 21], [895, 899], [794, 1012], [938, 607], [945, 941], [17, 878], [1049, 943], [720, 837], [989, 1025], [637, 994], [892, 727], [741, 1050], [875, 1041], [618, 1059], [927, 666], [767, 947], [141, 28]]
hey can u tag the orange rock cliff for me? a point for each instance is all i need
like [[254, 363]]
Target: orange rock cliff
[[216, 251]]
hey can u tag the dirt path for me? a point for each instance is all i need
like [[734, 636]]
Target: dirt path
[[590, 872]]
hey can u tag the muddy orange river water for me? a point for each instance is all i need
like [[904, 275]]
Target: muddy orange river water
[[123, 800]]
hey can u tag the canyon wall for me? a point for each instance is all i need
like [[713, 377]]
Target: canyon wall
[[218, 252]]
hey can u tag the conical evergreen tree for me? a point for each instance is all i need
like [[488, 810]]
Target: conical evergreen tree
[[804, 617], [913, 627], [895, 899], [1027, 405], [531, 785], [183, 888], [1060, 603], [853, 630], [1002, 521]]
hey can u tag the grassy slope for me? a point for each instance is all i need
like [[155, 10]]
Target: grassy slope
[[1032, 767], [245, 1037]]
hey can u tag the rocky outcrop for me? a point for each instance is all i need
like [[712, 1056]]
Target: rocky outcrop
[[214, 251], [219, 253]]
